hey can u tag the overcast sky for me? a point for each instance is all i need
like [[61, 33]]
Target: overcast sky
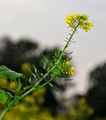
[[44, 20]]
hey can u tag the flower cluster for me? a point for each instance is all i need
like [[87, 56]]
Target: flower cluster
[[77, 20], [63, 68], [68, 69]]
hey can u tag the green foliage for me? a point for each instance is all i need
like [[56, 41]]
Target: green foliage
[[3, 97], [6, 73], [59, 70], [64, 67], [44, 61]]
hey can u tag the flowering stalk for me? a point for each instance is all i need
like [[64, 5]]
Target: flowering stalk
[[74, 21], [56, 64]]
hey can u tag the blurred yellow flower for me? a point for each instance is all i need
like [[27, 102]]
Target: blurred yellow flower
[[80, 21], [90, 111], [86, 26], [72, 71], [66, 62], [21, 107], [30, 99], [12, 85], [39, 92], [69, 70], [3, 82], [25, 67], [71, 19]]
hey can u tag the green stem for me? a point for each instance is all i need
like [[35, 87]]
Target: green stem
[[27, 92], [35, 88], [3, 113], [67, 44]]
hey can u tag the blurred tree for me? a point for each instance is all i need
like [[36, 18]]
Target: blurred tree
[[96, 94], [14, 54]]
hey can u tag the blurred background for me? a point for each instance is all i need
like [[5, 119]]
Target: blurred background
[[29, 28]]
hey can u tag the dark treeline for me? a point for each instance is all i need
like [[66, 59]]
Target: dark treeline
[[96, 94]]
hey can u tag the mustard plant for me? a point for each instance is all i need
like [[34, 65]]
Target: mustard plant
[[58, 67]]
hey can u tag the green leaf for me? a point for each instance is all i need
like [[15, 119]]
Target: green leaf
[[44, 61], [9, 74], [58, 70], [3, 97]]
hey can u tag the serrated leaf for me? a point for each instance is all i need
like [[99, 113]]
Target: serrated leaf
[[9, 74], [3, 97]]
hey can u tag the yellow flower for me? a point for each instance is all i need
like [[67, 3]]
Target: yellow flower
[[66, 62], [80, 21], [72, 71], [3, 82], [21, 107], [86, 26], [90, 111], [30, 99], [71, 20], [26, 67], [68, 69], [12, 85]]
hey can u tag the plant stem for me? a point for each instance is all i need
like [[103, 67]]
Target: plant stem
[[56, 63], [3, 113]]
